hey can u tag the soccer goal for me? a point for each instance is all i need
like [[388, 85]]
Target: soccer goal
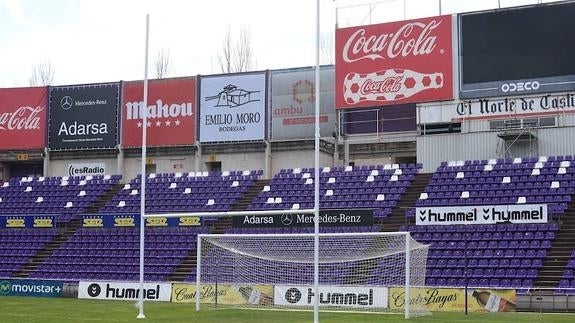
[[357, 271]]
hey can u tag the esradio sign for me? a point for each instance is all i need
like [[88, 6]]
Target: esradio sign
[[394, 63]]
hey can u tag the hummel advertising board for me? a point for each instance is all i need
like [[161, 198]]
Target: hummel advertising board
[[517, 51], [23, 118], [83, 116], [293, 103], [233, 107], [333, 218], [339, 296], [483, 214], [124, 291]]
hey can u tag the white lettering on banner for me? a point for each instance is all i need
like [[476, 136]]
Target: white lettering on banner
[[124, 291], [388, 85], [330, 296], [23, 118], [135, 110], [413, 38], [80, 129], [483, 214]]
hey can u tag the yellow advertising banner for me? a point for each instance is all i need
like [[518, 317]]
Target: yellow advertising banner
[[226, 294], [453, 299]]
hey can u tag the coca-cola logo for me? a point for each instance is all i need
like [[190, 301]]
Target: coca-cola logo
[[412, 38], [24, 118], [388, 85]]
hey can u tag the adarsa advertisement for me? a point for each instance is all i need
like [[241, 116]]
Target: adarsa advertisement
[[225, 294], [453, 299]]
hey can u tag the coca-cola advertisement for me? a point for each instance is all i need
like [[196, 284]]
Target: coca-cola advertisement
[[394, 63], [171, 111], [23, 118]]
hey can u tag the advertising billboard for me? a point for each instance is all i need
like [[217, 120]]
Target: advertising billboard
[[233, 107], [23, 118], [293, 103], [31, 288], [83, 116], [484, 214], [171, 112], [124, 291], [333, 218], [394, 63], [517, 51]]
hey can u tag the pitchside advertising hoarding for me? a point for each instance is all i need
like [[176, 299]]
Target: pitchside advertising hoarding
[[517, 51], [32, 288], [483, 214], [334, 218], [23, 118], [394, 63], [171, 112], [233, 107], [497, 108], [224, 294], [339, 296], [293, 103], [83, 116], [124, 291], [453, 299]]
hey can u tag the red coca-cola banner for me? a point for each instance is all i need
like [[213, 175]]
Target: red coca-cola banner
[[171, 112], [23, 118], [394, 63]]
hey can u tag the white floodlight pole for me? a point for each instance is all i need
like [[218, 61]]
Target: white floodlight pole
[[316, 174], [144, 112]]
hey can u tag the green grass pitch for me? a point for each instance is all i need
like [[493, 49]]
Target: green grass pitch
[[59, 310]]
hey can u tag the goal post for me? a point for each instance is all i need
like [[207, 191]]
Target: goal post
[[372, 271]]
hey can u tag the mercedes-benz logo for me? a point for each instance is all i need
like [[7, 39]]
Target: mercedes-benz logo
[[66, 102], [287, 219], [293, 295], [94, 290]]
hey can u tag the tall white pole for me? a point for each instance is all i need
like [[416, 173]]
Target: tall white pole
[[144, 112], [407, 275], [316, 173]]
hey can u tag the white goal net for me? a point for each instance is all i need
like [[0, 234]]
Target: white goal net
[[357, 271]]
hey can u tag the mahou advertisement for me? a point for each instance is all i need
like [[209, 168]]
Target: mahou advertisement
[[171, 112], [394, 63], [23, 118]]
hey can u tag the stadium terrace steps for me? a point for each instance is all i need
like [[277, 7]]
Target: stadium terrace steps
[[101, 201], [186, 268], [397, 217], [559, 254], [243, 203]]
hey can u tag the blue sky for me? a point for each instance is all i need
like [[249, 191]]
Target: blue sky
[[89, 41]]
